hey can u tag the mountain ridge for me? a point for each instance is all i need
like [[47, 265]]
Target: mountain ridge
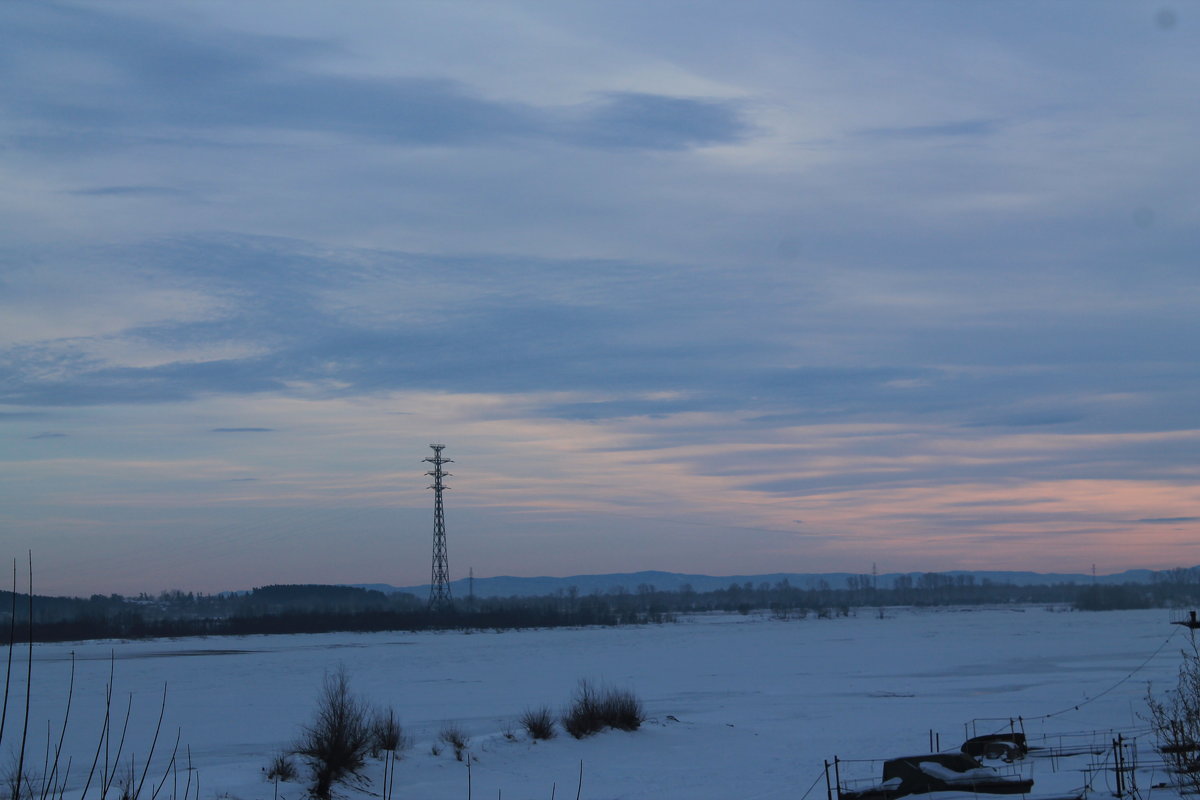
[[508, 585]]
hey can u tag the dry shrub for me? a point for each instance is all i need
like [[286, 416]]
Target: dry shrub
[[582, 717], [456, 737], [592, 710], [538, 722], [336, 742], [282, 768], [1175, 718], [621, 709], [386, 734]]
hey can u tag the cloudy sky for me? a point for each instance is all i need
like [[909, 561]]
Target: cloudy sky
[[706, 287]]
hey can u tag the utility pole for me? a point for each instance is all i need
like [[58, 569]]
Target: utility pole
[[439, 583], [875, 588]]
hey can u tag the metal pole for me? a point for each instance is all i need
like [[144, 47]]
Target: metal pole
[[439, 582]]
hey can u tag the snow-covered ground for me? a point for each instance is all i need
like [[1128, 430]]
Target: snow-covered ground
[[738, 706]]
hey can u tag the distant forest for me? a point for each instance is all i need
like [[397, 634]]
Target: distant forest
[[320, 609]]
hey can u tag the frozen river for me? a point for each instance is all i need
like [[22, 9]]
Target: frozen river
[[738, 706]]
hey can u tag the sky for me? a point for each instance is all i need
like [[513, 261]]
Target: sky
[[708, 287]]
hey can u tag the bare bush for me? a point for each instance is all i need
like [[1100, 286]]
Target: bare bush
[[282, 768], [336, 742], [592, 710], [582, 717], [456, 737], [386, 734], [388, 739], [18, 787], [621, 709], [1175, 718], [538, 722], [126, 782]]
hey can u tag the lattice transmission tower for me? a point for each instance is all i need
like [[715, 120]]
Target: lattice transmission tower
[[439, 583]]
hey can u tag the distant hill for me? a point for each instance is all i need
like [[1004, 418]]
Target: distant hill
[[508, 586]]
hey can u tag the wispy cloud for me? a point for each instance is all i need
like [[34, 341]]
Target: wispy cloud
[[627, 120], [1031, 418], [969, 128], [128, 191]]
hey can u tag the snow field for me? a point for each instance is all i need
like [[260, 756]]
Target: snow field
[[757, 703]]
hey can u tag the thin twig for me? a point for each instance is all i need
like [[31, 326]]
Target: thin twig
[[45, 760], [28, 685], [12, 637], [112, 665], [63, 734], [112, 656], [188, 785], [62, 787], [153, 743], [579, 791], [120, 747], [170, 763]]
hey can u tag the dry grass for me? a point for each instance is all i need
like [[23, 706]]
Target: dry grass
[[538, 722], [592, 710]]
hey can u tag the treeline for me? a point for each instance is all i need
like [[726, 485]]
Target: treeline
[[1171, 588], [288, 609], [319, 609]]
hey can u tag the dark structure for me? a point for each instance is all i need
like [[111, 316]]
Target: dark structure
[[439, 583], [937, 772], [1191, 623], [1007, 746]]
